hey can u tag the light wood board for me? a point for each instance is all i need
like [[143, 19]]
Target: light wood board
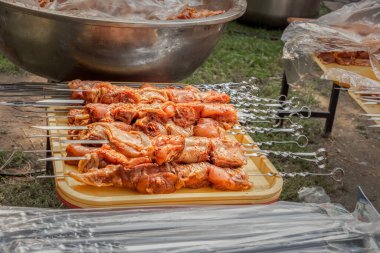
[[265, 189]]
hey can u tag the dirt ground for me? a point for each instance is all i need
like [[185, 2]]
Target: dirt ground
[[15, 130], [353, 146]]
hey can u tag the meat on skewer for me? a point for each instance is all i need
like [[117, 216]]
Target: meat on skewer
[[182, 114], [130, 148], [154, 179], [106, 93]]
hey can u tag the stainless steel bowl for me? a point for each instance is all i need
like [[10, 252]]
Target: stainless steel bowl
[[64, 47], [274, 13]]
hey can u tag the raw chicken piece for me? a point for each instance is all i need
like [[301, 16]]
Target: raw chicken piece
[[196, 150], [227, 153], [210, 128], [229, 179]]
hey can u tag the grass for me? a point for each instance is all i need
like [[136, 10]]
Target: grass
[[7, 67], [25, 191], [243, 52]]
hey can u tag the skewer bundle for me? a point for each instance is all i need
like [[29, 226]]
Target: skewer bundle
[[138, 152]]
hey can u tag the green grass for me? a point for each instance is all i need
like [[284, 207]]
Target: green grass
[[25, 191], [243, 52], [28, 192], [7, 67]]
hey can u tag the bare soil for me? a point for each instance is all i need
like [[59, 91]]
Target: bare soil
[[14, 131], [352, 146], [355, 148]]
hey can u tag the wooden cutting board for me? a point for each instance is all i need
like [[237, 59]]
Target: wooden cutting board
[[361, 70], [265, 189]]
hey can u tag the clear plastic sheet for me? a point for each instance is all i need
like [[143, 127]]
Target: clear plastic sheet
[[280, 227], [120, 9], [314, 194], [355, 27]]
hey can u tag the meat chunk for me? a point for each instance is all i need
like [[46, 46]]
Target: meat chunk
[[121, 95], [214, 97], [150, 128], [210, 128], [327, 57], [173, 129], [227, 153], [183, 95], [131, 144], [220, 112], [187, 114], [78, 117], [167, 148], [78, 151], [196, 150], [192, 175], [229, 179], [145, 178]]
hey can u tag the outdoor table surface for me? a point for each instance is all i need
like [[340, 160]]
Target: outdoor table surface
[[361, 70]]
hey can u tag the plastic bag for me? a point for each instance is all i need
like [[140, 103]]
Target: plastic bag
[[280, 227], [313, 195], [119, 9], [353, 29]]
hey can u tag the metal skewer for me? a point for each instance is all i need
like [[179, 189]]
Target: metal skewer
[[337, 174], [61, 127], [370, 100], [51, 136], [44, 116], [301, 141], [295, 130], [319, 157], [371, 114], [372, 103], [374, 119], [374, 92]]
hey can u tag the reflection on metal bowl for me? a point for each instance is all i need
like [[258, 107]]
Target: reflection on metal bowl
[[63, 47], [274, 13]]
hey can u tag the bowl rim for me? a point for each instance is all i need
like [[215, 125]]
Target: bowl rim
[[237, 10]]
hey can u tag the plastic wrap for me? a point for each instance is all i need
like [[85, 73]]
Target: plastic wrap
[[314, 194], [280, 227], [353, 28], [120, 9]]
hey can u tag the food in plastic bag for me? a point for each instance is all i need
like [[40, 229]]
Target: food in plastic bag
[[131, 9], [360, 58], [349, 36]]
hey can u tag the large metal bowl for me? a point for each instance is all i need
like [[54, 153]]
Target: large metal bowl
[[274, 13], [64, 47]]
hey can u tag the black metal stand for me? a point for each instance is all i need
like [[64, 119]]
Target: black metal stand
[[49, 164], [329, 115]]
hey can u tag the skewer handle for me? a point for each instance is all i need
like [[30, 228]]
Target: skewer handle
[[301, 141]]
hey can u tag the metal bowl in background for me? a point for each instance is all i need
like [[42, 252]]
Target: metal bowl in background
[[64, 47], [274, 13]]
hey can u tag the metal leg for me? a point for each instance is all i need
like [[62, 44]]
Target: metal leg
[[284, 88], [283, 94], [49, 164], [332, 109]]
